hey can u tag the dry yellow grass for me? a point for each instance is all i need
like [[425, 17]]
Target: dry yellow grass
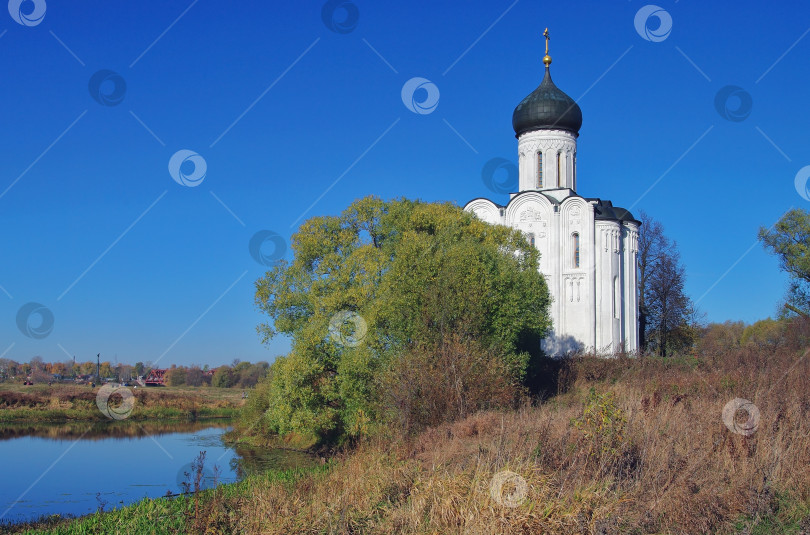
[[632, 446], [627, 446]]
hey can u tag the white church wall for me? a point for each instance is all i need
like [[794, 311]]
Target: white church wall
[[578, 314], [532, 214], [630, 261], [608, 267]]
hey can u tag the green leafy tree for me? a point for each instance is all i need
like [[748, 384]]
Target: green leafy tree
[[765, 334], [176, 376], [106, 369], [378, 280], [789, 240], [223, 377]]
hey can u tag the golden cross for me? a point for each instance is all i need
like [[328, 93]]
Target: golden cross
[[545, 34]]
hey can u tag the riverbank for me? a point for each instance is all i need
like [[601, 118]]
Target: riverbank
[[626, 446], [205, 511], [67, 402]]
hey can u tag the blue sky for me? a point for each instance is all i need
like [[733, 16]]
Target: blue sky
[[295, 119]]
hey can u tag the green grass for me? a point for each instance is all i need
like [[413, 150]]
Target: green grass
[[787, 517], [161, 515]]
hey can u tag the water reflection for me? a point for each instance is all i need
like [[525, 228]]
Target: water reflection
[[71, 468], [105, 430], [255, 460]]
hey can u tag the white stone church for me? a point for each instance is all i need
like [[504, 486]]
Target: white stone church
[[588, 247]]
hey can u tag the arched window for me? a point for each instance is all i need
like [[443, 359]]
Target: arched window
[[575, 245], [539, 169], [558, 170], [531, 239]]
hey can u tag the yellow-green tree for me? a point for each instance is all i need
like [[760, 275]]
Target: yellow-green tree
[[378, 280], [789, 240]]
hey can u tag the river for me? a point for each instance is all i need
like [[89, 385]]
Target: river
[[76, 469]]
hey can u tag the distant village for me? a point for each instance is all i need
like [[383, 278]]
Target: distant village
[[237, 374]]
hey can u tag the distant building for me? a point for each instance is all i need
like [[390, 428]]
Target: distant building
[[156, 377]]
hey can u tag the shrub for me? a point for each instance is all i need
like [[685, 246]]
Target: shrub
[[602, 422], [427, 386]]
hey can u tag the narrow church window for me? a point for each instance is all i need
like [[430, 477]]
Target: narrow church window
[[616, 294], [539, 169], [576, 249], [575, 171], [531, 239], [558, 170]]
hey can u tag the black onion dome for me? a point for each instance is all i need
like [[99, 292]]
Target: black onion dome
[[547, 108]]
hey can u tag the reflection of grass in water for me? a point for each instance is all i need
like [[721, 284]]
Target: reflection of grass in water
[[104, 430], [252, 460], [68, 402]]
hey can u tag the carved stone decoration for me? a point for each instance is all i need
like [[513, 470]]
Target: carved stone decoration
[[573, 288], [530, 214]]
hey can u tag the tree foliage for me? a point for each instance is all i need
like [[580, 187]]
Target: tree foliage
[[671, 317], [377, 281], [719, 337], [765, 334], [176, 376], [789, 240]]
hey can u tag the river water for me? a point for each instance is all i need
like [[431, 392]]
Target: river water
[[77, 469]]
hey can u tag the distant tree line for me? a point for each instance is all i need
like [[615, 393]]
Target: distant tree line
[[670, 321], [238, 374]]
